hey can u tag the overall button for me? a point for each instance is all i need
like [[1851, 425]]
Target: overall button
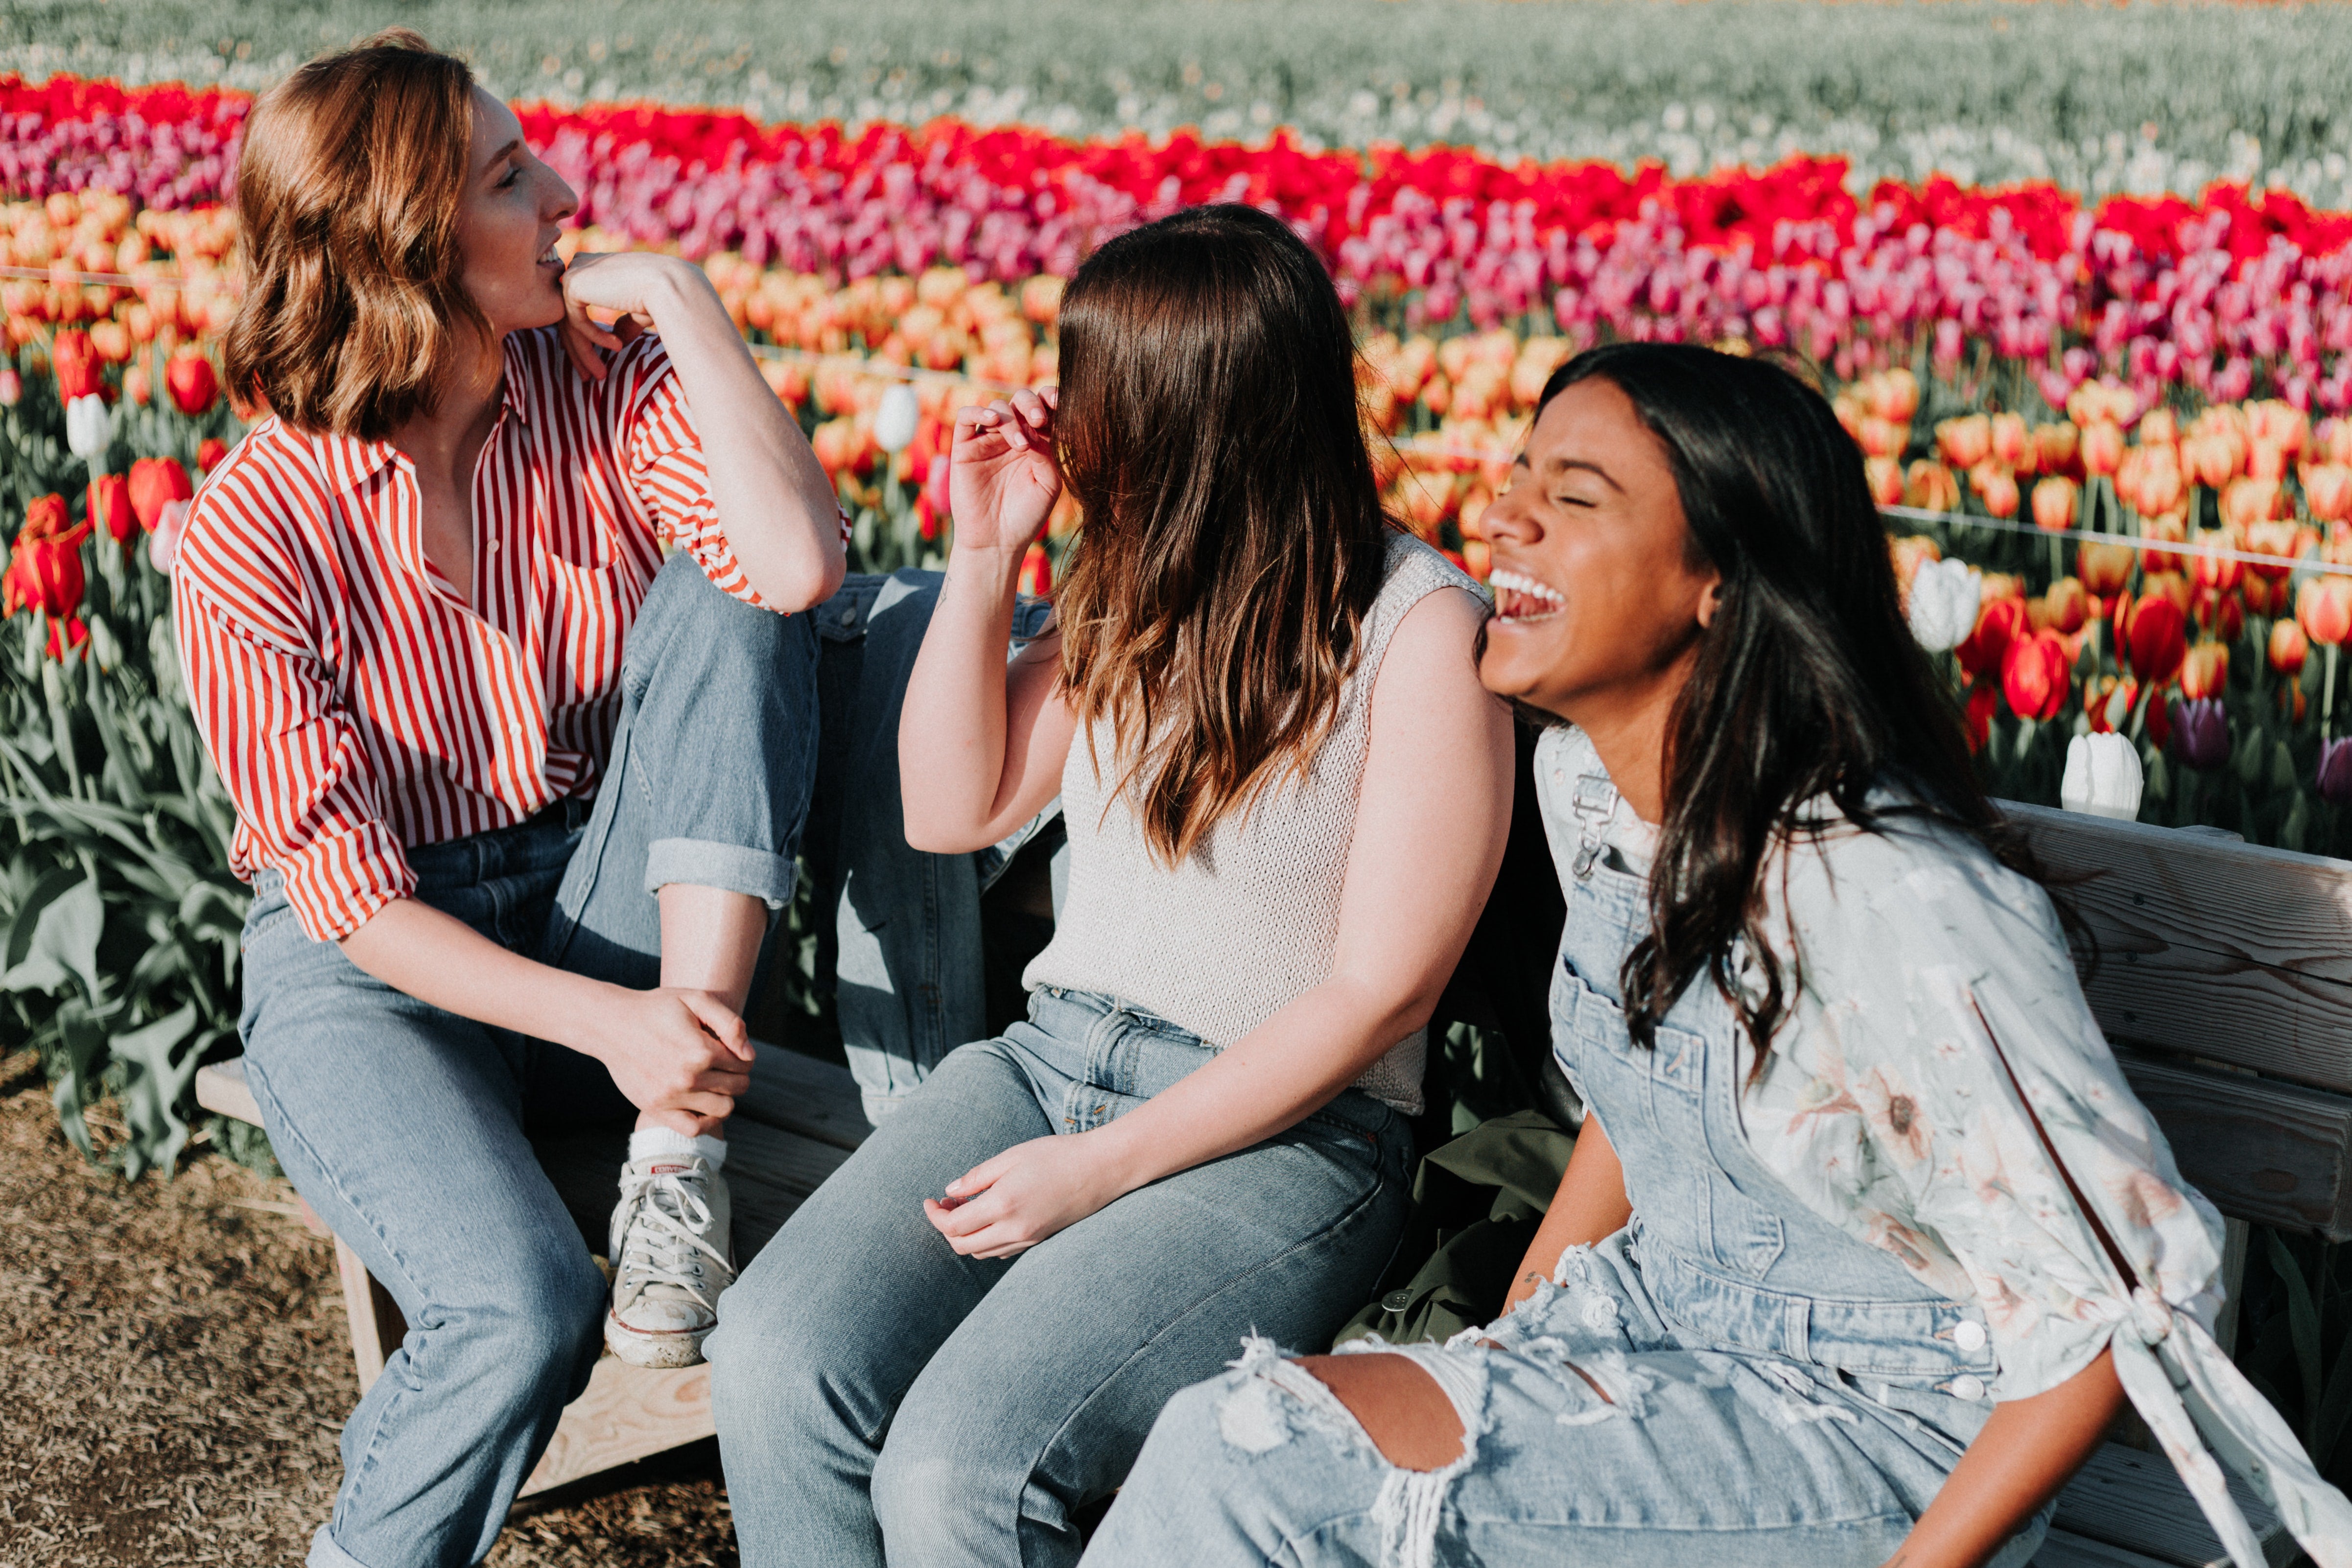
[[1396, 1300], [1968, 1386], [1969, 1336]]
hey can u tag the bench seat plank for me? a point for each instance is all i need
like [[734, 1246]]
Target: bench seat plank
[[2062, 1549], [2135, 1500], [797, 1093]]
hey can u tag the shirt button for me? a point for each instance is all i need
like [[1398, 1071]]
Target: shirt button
[[1969, 1336], [1968, 1386], [849, 617]]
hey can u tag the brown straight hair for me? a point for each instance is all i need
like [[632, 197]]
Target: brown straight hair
[[1233, 538], [348, 194]]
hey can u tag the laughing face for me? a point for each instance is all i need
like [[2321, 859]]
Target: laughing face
[[1600, 598], [515, 208]]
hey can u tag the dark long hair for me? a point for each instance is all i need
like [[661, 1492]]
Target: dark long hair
[[1807, 682], [1233, 538]]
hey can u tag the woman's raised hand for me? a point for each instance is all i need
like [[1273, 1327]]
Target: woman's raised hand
[[629, 284], [1003, 480]]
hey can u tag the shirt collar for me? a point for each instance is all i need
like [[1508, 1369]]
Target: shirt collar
[[352, 461]]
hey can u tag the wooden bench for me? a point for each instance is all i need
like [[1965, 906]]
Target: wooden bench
[[797, 1124], [2225, 982]]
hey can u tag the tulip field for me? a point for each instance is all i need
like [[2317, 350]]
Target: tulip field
[[2113, 435]]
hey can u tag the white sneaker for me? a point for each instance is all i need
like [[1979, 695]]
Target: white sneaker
[[671, 1258]]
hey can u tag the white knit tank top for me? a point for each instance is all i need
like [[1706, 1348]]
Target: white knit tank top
[[1251, 919]]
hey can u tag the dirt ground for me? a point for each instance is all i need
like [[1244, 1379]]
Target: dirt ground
[[174, 1372]]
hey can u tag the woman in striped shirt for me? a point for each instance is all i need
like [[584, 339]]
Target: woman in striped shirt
[[518, 801]]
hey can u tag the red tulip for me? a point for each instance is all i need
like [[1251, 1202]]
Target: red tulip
[[109, 507], [154, 482], [76, 364], [1999, 623], [193, 386], [2156, 637], [1036, 572], [209, 452], [2289, 647], [45, 570], [2034, 676]]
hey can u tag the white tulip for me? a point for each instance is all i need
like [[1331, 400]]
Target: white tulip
[[87, 430], [2103, 776], [894, 421], [1944, 597]]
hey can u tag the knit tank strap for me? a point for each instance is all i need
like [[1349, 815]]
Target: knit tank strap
[[1251, 919]]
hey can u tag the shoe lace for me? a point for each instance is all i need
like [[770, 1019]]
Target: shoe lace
[[665, 1223]]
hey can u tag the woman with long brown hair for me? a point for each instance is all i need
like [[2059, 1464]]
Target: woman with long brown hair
[[1286, 797], [518, 801]]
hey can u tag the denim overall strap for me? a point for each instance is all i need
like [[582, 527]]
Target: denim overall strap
[[1733, 1256]]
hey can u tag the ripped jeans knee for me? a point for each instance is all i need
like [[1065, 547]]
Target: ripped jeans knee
[[1267, 1401]]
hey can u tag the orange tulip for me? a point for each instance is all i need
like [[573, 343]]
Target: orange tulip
[[1909, 554], [2104, 568], [2158, 427], [1894, 395], [1996, 486], [2265, 461], [2108, 702], [2211, 458], [2249, 500], [2289, 647], [2068, 606], [2012, 442], [1884, 475], [2324, 609], [2155, 638], [2055, 445], [2327, 491], [2102, 448], [2214, 572], [2205, 671], [2034, 676], [2054, 501], [1930, 486], [1965, 442], [1884, 437], [2161, 487]]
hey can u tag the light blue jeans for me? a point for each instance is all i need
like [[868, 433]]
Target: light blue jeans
[[1731, 1378], [406, 1127], [881, 1399]]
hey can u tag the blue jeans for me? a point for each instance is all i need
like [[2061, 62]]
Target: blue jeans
[[904, 937], [1732, 1375], [406, 1127], [881, 1399]]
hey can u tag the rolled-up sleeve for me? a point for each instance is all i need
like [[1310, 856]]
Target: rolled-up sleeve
[[663, 449], [306, 802]]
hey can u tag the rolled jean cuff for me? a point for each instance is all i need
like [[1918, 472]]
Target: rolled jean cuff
[[325, 1553], [731, 868]]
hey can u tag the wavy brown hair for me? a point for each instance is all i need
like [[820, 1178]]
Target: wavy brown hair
[[1233, 541], [348, 194]]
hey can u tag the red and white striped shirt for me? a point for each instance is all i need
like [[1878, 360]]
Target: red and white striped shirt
[[354, 703]]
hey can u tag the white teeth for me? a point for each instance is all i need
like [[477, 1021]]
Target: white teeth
[[1512, 582]]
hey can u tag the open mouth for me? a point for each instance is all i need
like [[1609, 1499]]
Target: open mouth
[[550, 258], [1520, 599]]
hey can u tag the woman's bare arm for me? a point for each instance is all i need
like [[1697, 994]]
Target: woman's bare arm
[[2027, 1450], [981, 745], [1589, 1205]]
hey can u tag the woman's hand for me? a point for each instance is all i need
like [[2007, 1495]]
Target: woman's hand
[[1003, 480], [670, 1050], [1003, 1206], [629, 284]]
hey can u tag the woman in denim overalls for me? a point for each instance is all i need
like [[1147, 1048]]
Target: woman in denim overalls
[[1820, 1286]]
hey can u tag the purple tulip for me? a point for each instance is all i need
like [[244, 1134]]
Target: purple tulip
[[2200, 732], [2335, 779]]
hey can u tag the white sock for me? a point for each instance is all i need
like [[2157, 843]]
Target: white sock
[[647, 1142]]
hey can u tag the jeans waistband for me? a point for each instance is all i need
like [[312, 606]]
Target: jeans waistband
[[1132, 1050], [540, 842]]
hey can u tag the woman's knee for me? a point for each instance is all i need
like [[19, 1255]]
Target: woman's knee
[[555, 1315]]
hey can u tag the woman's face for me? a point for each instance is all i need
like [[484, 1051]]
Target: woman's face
[[1598, 609], [515, 207]]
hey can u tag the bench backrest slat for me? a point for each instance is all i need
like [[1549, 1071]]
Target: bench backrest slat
[[2240, 957]]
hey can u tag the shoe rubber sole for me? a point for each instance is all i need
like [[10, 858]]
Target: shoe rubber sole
[[665, 1349]]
